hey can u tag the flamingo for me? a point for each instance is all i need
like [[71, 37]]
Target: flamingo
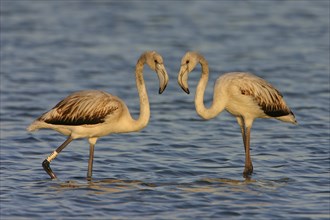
[[242, 94], [92, 114]]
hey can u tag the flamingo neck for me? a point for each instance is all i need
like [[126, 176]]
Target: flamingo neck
[[144, 116], [202, 111]]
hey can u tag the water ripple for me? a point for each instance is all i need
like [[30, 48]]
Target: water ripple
[[179, 166]]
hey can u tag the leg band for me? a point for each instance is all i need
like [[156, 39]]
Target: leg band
[[52, 156]]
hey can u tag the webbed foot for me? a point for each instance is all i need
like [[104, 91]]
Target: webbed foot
[[45, 165]]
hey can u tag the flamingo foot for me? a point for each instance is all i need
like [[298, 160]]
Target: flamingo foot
[[248, 170], [45, 165]]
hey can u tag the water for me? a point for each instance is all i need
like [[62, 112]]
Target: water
[[179, 167]]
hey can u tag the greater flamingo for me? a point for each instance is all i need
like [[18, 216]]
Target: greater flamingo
[[92, 114], [244, 95]]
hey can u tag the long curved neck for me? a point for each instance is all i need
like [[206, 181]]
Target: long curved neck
[[144, 116], [202, 111]]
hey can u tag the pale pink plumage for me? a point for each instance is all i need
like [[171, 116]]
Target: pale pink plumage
[[92, 114], [244, 95]]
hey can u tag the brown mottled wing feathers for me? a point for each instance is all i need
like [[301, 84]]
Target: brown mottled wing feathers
[[267, 97], [85, 107]]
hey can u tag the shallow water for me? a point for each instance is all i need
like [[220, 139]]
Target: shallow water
[[179, 166]]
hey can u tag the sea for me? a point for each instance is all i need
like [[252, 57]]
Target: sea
[[179, 166]]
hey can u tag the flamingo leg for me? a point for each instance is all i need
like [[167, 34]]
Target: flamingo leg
[[245, 125], [46, 162], [242, 126], [90, 161], [248, 169]]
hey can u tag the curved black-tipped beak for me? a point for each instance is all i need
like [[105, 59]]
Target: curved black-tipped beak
[[162, 89], [162, 76], [183, 78], [186, 90]]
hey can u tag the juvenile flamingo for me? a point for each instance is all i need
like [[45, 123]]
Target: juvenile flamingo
[[92, 114], [244, 95]]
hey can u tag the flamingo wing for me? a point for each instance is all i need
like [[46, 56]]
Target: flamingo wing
[[268, 98], [84, 107]]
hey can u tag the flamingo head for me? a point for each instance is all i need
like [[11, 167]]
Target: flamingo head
[[155, 62], [188, 63]]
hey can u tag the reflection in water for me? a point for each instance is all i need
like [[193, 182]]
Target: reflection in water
[[105, 185], [207, 185]]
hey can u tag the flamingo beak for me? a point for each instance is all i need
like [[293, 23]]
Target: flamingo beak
[[162, 76], [183, 78]]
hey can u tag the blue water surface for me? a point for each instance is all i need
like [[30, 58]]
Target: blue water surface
[[179, 166]]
